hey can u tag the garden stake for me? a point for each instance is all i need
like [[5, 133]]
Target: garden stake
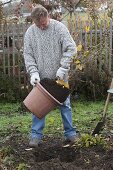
[[101, 123]]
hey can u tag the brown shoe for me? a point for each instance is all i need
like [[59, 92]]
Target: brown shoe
[[34, 142], [71, 140]]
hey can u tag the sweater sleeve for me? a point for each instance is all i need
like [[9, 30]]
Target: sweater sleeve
[[69, 48], [30, 62]]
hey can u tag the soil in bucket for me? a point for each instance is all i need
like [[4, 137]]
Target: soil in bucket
[[58, 91]]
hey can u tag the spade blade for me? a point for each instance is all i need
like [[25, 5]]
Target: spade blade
[[98, 127]]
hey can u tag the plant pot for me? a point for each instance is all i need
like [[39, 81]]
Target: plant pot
[[40, 102]]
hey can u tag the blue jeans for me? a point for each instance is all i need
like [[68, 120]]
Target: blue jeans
[[66, 113]]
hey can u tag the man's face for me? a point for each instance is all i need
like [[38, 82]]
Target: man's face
[[42, 23]]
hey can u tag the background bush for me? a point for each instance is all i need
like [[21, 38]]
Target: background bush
[[10, 90]]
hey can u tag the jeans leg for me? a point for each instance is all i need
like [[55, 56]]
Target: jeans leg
[[37, 127], [66, 113]]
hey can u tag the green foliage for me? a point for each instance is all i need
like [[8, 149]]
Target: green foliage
[[10, 90], [87, 140], [90, 74], [22, 166]]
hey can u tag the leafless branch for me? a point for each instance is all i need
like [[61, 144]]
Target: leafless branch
[[5, 3]]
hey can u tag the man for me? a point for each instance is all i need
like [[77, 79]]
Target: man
[[48, 49]]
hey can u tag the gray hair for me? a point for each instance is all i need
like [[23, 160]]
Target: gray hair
[[38, 12]]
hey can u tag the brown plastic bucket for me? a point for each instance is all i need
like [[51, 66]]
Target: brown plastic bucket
[[40, 102]]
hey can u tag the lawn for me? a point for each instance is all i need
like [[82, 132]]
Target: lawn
[[15, 125], [85, 116]]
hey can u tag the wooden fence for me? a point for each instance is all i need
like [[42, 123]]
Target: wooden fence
[[94, 37], [11, 51]]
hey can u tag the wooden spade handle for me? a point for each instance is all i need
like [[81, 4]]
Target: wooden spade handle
[[107, 101]]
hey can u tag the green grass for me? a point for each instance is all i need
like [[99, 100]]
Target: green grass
[[85, 117]]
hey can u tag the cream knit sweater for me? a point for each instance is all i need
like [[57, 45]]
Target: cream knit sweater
[[45, 49]]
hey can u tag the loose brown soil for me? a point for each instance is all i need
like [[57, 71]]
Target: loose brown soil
[[51, 155], [58, 91]]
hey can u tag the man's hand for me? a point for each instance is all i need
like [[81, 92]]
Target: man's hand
[[62, 73], [35, 79]]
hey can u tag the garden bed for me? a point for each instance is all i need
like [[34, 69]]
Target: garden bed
[[15, 153], [52, 155]]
